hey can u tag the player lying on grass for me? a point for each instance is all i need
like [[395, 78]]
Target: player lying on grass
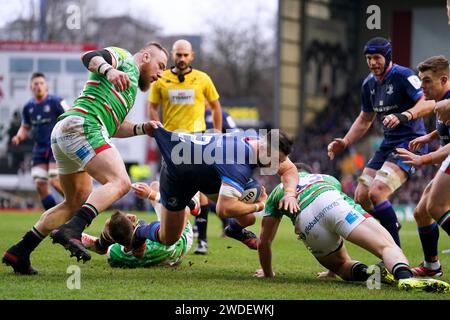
[[233, 230], [327, 216], [118, 231], [115, 239]]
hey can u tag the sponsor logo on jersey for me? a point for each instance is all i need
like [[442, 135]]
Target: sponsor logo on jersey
[[390, 89], [185, 96], [351, 217], [415, 81], [47, 108]]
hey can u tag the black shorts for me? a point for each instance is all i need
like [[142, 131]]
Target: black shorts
[[387, 152], [177, 185]]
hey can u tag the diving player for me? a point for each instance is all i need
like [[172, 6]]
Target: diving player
[[209, 164], [393, 93]]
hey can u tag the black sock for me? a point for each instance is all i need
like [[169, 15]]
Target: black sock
[[388, 219], [202, 222], [30, 240], [444, 222], [83, 217], [429, 237], [235, 229], [225, 222], [402, 271], [359, 272]]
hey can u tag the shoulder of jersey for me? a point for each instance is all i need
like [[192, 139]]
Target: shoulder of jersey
[[404, 71], [367, 79], [199, 73]]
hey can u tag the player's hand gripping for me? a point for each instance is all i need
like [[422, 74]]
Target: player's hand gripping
[[289, 202], [119, 79], [442, 111], [413, 159], [336, 146], [417, 143]]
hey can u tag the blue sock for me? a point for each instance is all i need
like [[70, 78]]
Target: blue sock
[[429, 237], [388, 219], [48, 202], [149, 231]]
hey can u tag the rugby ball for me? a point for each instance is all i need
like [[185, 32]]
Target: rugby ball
[[252, 191]]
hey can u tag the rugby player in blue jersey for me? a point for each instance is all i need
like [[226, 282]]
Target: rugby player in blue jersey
[[435, 75], [394, 94], [218, 165], [39, 116], [201, 220]]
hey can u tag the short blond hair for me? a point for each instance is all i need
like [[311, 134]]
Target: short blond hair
[[158, 46]]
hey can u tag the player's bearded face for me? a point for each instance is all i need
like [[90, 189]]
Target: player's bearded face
[[183, 59], [39, 87], [146, 76]]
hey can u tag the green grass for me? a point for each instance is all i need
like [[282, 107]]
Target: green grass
[[225, 273]]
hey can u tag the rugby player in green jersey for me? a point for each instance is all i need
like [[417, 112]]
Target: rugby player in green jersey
[[120, 254], [81, 146], [327, 216]]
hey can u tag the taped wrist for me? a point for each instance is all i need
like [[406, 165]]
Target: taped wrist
[[138, 129], [401, 117]]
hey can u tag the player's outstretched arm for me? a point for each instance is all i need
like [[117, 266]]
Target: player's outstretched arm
[[357, 130], [435, 157], [128, 129], [269, 227], [417, 143], [421, 109], [289, 177]]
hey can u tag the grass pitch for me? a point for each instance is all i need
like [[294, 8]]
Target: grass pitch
[[225, 273]]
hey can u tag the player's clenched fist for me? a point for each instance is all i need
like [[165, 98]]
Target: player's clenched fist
[[119, 79], [337, 146]]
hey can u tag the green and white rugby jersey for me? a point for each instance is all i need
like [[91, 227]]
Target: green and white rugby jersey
[[309, 188], [155, 253], [101, 101]]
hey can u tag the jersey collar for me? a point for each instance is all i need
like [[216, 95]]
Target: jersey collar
[[41, 100], [387, 74], [446, 95]]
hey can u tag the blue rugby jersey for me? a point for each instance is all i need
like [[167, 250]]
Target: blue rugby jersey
[[397, 92], [42, 116]]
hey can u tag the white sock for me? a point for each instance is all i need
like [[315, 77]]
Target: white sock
[[432, 265]]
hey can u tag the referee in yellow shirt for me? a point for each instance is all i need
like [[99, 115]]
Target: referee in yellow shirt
[[183, 92]]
